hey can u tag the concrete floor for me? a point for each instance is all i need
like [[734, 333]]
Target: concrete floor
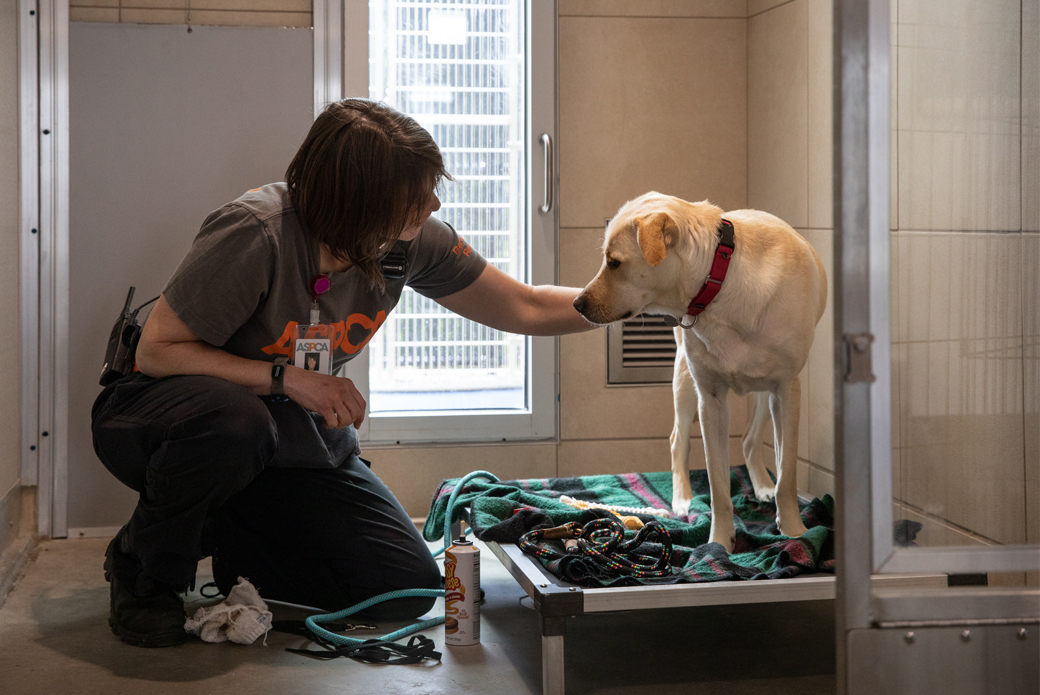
[[54, 638]]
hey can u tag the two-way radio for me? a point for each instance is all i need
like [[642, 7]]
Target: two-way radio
[[122, 342]]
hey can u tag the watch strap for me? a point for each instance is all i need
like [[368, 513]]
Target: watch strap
[[278, 375]]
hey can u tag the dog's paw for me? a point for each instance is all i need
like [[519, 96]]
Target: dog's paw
[[681, 505], [793, 529], [723, 539], [765, 488]]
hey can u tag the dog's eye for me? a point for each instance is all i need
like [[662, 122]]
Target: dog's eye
[[613, 263]]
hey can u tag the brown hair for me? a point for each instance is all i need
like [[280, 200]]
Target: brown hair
[[363, 174]]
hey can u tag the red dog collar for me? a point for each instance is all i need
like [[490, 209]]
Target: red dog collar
[[719, 266]]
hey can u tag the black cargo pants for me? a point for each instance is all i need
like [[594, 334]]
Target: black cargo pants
[[195, 448]]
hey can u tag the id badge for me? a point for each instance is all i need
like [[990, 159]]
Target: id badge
[[312, 347]]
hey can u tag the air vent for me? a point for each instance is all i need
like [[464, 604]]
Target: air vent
[[640, 351]]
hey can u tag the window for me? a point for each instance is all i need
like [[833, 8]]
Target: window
[[457, 67], [464, 70]]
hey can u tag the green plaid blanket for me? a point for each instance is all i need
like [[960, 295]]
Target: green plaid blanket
[[504, 511]]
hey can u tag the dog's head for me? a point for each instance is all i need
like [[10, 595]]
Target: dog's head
[[646, 251]]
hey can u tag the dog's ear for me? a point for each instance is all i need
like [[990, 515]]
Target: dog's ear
[[656, 232]]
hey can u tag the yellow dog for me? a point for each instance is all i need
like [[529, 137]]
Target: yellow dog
[[752, 335]]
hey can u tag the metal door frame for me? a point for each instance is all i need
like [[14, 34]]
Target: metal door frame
[[863, 428], [44, 237]]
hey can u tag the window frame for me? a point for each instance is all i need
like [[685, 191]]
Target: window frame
[[539, 420]]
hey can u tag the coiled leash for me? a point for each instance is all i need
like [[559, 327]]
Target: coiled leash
[[381, 650], [602, 541]]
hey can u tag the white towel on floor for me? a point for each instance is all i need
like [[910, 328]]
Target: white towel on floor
[[241, 618]]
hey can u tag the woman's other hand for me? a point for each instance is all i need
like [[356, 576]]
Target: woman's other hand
[[336, 399]]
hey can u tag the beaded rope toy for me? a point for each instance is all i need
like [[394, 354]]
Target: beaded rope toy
[[632, 523], [582, 504], [602, 541]]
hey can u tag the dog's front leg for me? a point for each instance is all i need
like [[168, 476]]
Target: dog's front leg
[[763, 484], [684, 397], [784, 404], [714, 415]]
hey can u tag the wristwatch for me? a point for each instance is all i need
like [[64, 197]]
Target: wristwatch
[[278, 375]]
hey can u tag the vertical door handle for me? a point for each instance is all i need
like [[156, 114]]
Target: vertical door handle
[[547, 195]]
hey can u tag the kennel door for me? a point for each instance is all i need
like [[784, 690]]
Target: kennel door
[[936, 339], [166, 126]]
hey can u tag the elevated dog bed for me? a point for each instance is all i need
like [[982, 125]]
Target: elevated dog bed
[[502, 512]]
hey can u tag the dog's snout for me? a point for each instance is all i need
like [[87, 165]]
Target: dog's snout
[[579, 304]]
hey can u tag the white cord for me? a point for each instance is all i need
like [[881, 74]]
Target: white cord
[[582, 504]]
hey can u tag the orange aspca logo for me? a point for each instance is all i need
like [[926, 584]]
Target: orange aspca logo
[[463, 248], [340, 331]]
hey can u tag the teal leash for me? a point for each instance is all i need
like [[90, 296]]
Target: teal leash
[[313, 622], [449, 513]]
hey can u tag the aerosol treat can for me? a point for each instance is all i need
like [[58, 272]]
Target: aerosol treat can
[[462, 594]]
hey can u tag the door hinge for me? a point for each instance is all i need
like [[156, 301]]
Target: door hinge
[[858, 357]]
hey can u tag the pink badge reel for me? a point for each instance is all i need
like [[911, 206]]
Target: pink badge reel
[[320, 285]]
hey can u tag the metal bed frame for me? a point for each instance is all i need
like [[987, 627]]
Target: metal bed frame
[[556, 600]]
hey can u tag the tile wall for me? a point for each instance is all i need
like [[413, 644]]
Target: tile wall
[[965, 250], [789, 139]]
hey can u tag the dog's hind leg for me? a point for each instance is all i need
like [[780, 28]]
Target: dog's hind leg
[[684, 397], [752, 444], [714, 415], [784, 404]]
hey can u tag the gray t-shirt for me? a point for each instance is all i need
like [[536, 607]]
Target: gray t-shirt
[[246, 281]]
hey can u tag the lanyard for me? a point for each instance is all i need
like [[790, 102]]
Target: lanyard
[[319, 286]]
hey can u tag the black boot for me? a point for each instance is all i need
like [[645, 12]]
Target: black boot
[[142, 611]]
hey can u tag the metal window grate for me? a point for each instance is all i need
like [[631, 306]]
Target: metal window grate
[[458, 67], [640, 351]]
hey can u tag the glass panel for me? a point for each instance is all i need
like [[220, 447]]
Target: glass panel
[[457, 67], [965, 217]]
